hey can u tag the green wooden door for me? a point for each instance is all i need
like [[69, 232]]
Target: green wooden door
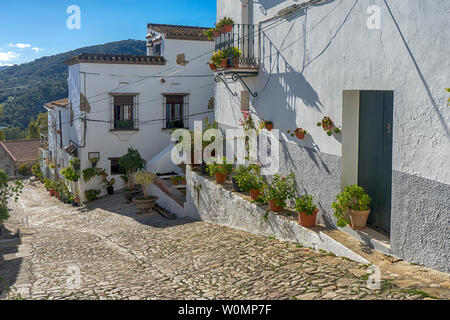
[[375, 155]]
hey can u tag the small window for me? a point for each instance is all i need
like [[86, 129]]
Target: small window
[[115, 169], [124, 112], [157, 50]]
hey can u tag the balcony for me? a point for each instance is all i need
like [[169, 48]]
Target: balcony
[[244, 38]]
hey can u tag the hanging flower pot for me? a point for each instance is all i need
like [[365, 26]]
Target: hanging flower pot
[[268, 125], [220, 177], [327, 123], [273, 205], [76, 200], [255, 194], [216, 34], [300, 133]]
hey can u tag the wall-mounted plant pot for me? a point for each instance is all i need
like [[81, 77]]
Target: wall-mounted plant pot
[[269, 126], [306, 220], [76, 167], [58, 131], [216, 34], [273, 206], [255, 194], [359, 219], [94, 164], [327, 126], [183, 182], [110, 190], [220, 178], [299, 133]]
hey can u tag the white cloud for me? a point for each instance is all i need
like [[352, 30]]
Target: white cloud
[[36, 49], [8, 56], [20, 45]]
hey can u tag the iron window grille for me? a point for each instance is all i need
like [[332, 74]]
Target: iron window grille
[[176, 111], [124, 112]]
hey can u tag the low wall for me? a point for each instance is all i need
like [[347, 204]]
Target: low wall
[[218, 204]]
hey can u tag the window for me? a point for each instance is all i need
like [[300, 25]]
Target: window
[[176, 111], [124, 112], [115, 169], [157, 50]]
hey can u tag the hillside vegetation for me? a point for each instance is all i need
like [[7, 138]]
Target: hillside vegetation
[[25, 88]]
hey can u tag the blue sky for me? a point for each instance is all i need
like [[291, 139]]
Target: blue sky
[[32, 29]]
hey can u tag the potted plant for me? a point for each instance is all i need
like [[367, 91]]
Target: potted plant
[[307, 210], [212, 66], [326, 123], [352, 207], [177, 180], [268, 125], [279, 191], [209, 33], [70, 174], [147, 202], [225, 25], [94, 161], [130, 163], [218, 57], [300, 133], [76, 198], [109, 185], [249, 180], [51, 188], [219, 170]]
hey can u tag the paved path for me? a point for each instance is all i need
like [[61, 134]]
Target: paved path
[[121, 255]]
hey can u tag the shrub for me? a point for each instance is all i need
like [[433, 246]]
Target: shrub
[[8, 191], [144, 178], [90, 173], [24, 170], [91, 195], [354, 198], [70, 173], [305, 204], [247, 178]]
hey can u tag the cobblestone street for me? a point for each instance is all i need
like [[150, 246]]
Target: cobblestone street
[[125, 256]]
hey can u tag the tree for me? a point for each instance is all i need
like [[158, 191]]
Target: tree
[[8, 191], [33, 130], [130, 163], [2, 136]]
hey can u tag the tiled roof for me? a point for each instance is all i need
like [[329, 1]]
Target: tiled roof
[[115, 59], [180, 32], [22, 150], [63, 103]]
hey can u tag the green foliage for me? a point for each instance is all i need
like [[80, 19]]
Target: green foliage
[[281, 189], [354, 198], [224, 22], [305, 204], [24, 170], [248, 178], [91, 173], [37, 170], [2, 136], [177, 178], [8, 191], [223, 168], [209, 33], [130, 163], [43, 80], [92, 194], [70, 173]]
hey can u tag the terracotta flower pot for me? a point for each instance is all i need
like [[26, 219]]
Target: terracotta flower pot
[[255, 194], [224, 63], [273, 206], [76, 200], [327, 127], [52, 192], [299, 133], [183, 181], [226, 28], [269, 126], [175, 182], [220, 177], [359, 219], [212, 66], [306, 220], [216, 33]]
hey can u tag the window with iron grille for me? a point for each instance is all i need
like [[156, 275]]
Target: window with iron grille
[[124, 112], [176, 111]]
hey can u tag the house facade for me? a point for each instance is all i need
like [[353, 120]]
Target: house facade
[[15, 153], [375, 68], [120, 101]]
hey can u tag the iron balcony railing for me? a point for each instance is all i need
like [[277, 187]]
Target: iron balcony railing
[[243, 37]]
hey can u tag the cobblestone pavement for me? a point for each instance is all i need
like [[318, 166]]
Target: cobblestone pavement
[[121, 255]]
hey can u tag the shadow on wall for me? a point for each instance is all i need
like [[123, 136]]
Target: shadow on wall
[[422, 78]]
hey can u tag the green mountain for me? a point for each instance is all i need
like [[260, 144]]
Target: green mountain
[[25, 88]]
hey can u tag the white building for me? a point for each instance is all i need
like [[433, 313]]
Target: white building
[[378, 69], [121, 101]]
